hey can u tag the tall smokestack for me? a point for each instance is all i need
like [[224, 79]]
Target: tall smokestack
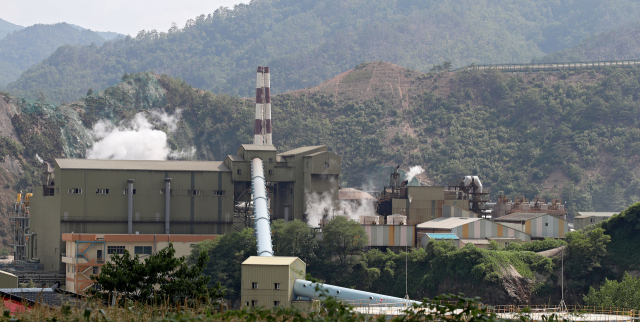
[[257, 129], [267, 106]]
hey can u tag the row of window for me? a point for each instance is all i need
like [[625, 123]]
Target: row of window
[[142, 250], [276, 286], [126, 192], [255, 303]]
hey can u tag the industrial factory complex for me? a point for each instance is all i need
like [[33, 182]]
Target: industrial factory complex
[[87, 210]]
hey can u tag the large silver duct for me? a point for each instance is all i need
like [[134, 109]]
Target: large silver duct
[[260, 209], [313, 290], [130, 204], [167, 205]]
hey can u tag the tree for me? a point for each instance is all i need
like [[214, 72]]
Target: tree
[[625, 293], [294, 238], [226, 255], [161, 276], [343, 238], [586, 250]]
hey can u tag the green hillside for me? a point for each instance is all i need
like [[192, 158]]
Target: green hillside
[[620, 44], [7, 27], [26, 47], [573, 136], [306, 42]]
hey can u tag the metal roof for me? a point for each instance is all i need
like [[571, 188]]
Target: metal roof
[[446, 223], [353, 194], [587, 214], [270, 260], [303, 149], [150, 165], [46, 296], [258, 147], [236, 158], [442, 236], [475, 241], [519, 216]]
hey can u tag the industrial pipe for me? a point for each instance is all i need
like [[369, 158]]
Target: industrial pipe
[[130, 197], [313, 290], [260, 211], [167, 205]]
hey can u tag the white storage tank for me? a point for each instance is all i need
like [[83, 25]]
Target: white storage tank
[[370, 220]]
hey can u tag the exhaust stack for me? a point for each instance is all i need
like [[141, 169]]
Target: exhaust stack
[[267, 106], [258, 137]]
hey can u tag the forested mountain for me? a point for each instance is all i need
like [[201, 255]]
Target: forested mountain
[[107, 35], [7, 27], [571, 135], [309, 41], [622, 43], [26, 47]]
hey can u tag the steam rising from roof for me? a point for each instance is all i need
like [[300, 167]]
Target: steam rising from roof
[[414, 171], [137, 139]]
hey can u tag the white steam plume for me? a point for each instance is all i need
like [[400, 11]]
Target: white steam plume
[[136, 139], [39, 158], [321, 205], [414, 171]]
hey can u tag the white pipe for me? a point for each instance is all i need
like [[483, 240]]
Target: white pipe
[[313, 290], [260, 211]]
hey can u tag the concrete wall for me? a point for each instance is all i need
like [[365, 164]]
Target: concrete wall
[[8, 280], [451, 211], [266, 276], [581, 223]]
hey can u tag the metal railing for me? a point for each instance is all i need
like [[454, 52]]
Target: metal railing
[[551, 67]]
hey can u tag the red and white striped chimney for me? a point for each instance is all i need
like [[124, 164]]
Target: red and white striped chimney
[[257, 129], [267, 106]]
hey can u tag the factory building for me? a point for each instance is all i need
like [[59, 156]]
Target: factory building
[[93, 196], [538, 225], [268, 281], [585, 218], [390, 235], [468, 228], [85, 254], [506, 206]]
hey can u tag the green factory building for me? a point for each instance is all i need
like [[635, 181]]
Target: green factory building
[[92, 196]]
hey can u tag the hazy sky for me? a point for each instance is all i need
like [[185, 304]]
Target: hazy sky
[[123, 16]]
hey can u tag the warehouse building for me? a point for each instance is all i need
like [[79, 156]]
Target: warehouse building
[[422, 203], [85, 254], [585, 218], [538, 225], [468, 228], [129, 197], [268, 281]]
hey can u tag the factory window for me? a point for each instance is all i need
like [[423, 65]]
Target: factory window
[[95, 270], [239, 171], [591, 219], [326, 164], [254, 285], [193, 192], [115, 249], [270, 160], [246, 303], [75, 190], [254, 302], [162, 191], [276, 303], [546, 224], [219, 192], [102, 191], [270, 171], [307, 164], [276, 286], [142, 250], [126, 191]]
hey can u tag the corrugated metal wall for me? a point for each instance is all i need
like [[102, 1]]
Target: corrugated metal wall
[[547, 226], [450, 211], [388, 235], [483, 228]]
